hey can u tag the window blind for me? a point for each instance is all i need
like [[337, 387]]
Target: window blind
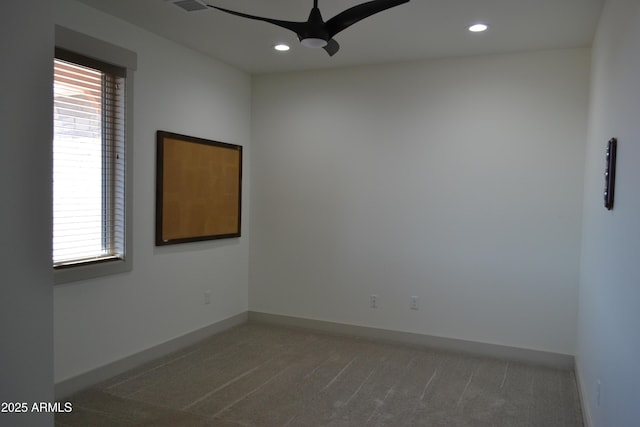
[[88, 161]]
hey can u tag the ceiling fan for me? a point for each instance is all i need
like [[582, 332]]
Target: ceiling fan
[[315, 32]]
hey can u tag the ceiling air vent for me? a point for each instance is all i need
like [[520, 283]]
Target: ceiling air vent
[[189, 5]]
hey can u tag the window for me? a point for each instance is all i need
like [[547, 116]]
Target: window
[[92, 100], [88, 161]]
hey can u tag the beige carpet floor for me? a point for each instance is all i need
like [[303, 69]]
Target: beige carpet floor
[[262, 375]]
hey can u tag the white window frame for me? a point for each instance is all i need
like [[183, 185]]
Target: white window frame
[[105, 52]]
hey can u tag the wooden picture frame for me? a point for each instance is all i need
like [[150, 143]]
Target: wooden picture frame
[[198, 189]]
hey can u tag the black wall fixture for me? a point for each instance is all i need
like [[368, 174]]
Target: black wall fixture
[[610, 174]]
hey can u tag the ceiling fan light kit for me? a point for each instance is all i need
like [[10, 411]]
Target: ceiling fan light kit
[[315, 32], [313, 42]]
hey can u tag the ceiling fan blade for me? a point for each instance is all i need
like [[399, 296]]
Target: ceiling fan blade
[[357, 13], [296, 27], [332, 47]]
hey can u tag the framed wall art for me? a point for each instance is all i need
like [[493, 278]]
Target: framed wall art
[[198, 189]]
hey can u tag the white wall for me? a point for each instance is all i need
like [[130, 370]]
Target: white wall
[[177, 90], [26, 308], [456, 180], [609, 333]]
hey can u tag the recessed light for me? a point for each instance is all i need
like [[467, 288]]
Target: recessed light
[[281, 47], [478, 28]]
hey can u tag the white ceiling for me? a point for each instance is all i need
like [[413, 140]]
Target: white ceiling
[[420, 29]]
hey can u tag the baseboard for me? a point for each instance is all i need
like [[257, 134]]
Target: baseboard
[[582, 392], [555, 360], [72, 385]]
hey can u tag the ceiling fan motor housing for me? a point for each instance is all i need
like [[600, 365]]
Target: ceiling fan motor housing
[[315, 34]]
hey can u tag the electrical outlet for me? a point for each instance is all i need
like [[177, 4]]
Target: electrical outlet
[[415, 305], [373, 301], [207, 297]]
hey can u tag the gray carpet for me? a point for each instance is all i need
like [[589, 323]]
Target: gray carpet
[[261, 375]]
